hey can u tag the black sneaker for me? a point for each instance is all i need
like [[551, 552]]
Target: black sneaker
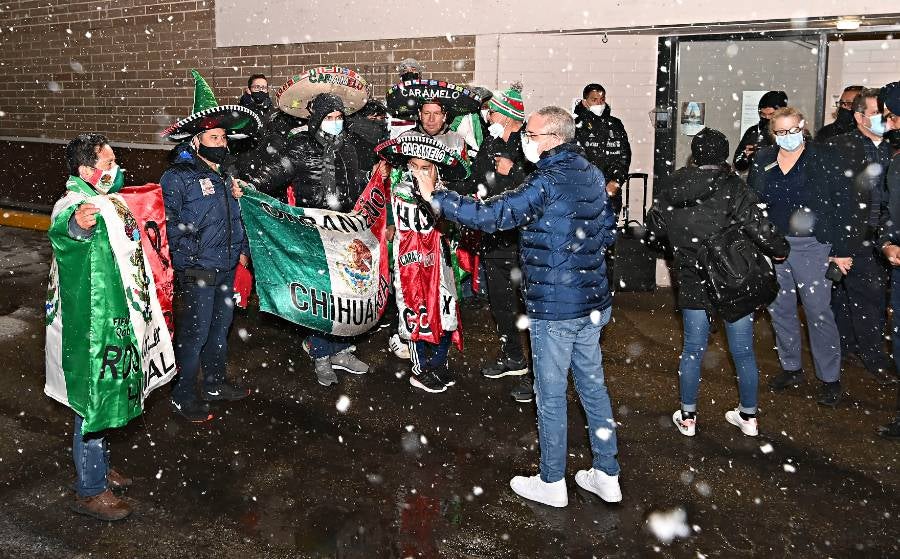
[[830, 394], [891, 430], [523, 393], [505, 367], [445, 375], [786, 379], [427, 381], [196, 412], [224, 391]]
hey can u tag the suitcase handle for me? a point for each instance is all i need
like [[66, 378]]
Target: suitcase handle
[[626, 201]]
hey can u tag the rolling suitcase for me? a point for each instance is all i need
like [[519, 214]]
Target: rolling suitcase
[[633, 263]]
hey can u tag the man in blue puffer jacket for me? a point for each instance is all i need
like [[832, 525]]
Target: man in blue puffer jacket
[[566, 226], [206, 239]]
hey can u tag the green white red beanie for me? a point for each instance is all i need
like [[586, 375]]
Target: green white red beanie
[[509, 102]]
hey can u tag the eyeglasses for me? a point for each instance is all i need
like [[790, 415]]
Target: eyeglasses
[[793, 130], [532, 135], [844, 104], [259, 88]]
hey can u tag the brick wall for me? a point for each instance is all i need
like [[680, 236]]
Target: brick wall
[[122, 66]]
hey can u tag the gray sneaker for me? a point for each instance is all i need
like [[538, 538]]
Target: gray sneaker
[[324, 373], [346, 361]]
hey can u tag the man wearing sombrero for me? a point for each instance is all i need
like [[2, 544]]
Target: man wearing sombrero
[[323, 171], [424, 284], [206, 239]]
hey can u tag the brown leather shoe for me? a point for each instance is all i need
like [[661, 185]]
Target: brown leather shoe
[[104, 506], [116, 480]]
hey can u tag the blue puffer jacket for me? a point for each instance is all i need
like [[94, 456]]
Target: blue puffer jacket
[[565, 228], [199, 209]]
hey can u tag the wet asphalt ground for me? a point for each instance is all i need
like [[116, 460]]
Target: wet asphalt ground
[[402, 473]]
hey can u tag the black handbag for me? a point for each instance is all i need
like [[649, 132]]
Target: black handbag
[[738, 277]]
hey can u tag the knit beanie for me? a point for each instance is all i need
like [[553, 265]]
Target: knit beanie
[[890, 97], [509, 102], [709, 147]]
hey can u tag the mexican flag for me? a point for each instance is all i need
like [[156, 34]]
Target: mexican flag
[[322, 269], [107, 342]]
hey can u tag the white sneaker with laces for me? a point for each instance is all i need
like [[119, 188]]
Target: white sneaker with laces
[[533, 488], [601, 484], [398, 346], [749, 427], [688, 427]]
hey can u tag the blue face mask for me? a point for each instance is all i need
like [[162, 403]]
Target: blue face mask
[[790, 142], [333, 127], [876, 125]]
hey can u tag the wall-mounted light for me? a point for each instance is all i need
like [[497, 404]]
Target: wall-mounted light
[[847, 24]]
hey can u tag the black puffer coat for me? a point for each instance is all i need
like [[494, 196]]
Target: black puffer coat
[[324, 170], [690, 217]]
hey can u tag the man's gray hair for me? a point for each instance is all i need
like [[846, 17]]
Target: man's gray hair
[[559, 122]]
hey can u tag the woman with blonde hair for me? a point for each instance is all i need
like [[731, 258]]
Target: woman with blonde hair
[[807, 195]]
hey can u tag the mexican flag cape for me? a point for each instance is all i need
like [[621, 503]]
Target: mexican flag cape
[[107, 341], [321, 269], [424, 282]]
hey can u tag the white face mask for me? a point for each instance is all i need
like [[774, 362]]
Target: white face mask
[[484, 115], [333, 127], [495, 130], [597, 109], [530, 149]]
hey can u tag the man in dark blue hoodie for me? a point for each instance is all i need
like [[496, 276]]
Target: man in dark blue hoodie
[[566, 226]]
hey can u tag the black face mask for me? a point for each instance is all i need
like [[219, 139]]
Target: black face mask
[[893, 138], [216, 155], [844, 117], [261, 98], [409, 76]]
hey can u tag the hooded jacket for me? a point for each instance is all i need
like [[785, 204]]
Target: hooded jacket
[[698, 202], [203, 219], [324, 170], [604, 141], [565, 227]]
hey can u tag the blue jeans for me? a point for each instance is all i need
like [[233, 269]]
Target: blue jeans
[[203, 316], [556, 346], [91, 461], [419, 353], [740, 342], [320, 345]]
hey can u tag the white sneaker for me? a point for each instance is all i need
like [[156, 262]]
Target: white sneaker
[[688, 427], [601, 484], [532, 488], [398, 346], [749, 427]]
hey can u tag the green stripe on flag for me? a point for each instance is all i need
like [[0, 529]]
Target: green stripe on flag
[[289, 261]]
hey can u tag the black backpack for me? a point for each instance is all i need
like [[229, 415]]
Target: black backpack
[[738, 277]]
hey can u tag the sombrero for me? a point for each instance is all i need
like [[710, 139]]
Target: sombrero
[[295, 95], [403, 99], [414, 144], [238, 121]]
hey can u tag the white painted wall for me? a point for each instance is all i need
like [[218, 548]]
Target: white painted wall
[[554, 69], [258, 22], [866, 63]]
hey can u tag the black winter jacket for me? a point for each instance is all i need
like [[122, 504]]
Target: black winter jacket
[[605, 142], [502, 244], [301, 163], [829, 187], [753, 136], [689, 220]]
